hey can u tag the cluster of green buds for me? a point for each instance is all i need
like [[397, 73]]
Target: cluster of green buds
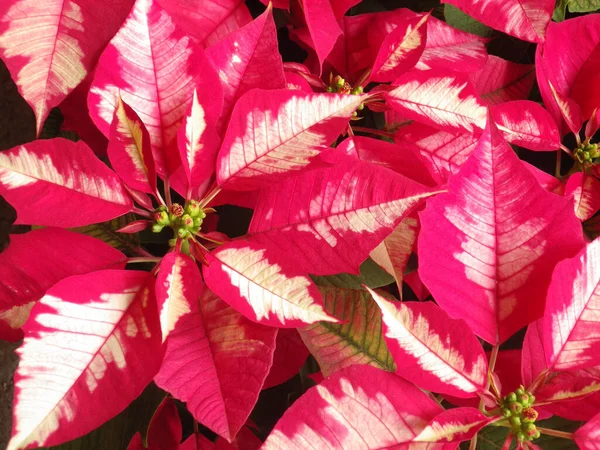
[[516, 407], [340, 86], [587, 153], [185, 221]]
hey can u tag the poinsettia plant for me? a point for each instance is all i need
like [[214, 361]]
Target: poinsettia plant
[[417, 282]]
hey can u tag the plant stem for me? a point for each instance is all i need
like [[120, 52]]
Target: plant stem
[[556, 433], [210, 196], [144, 259], [558, 163], [491, 367], [141, 251], [141, 212], [373, 131], [539, 380], [566, 150], [350, 131], [159, 197], [364, 77], [473, 444], [168, 192]]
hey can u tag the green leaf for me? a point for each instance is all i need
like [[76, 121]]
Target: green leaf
[[458, 19], [107, 232], [370, 275], [581, 6], [357, 341], [492, 438], [117, 432], [560, 10]]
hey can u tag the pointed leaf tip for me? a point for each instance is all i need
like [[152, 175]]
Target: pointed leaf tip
[[216, 361], [329, 229], [47, 180], [81, 351], [262, 288], [494, 239], [397, 412], [50, 47], [431, 349], [571, 336], [129, 149]]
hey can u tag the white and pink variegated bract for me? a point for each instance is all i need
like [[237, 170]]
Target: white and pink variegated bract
[[484, 255], [94, 326], [367, 408], [210, 344], [50, 47], [155, 67], [525, 19], [432, 350]]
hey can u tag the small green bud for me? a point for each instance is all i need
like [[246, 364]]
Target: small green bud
[[161, 208], [520, 390], [177, 210], [354, 114], [339, 82], [329, 89], [536, 435], [515, 421], [161, 218], [511, 398], [586, 156], [357, 90], [186, 221], [197, 222], [529, 429], [192, 208], [529, 415], [361, 107], [516, 408], [182, 233], [506, 412], [520, 436], [172, 242], [157, 228], [202, 214]]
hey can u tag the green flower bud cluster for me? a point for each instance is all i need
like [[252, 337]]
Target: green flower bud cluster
[[340, 86], [516, 407], [587, 153], [185, 221]]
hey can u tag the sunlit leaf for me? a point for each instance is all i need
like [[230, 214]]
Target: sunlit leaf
[[525, 19], [216, 361], [571, 332], [84, 350], [319, 218], [274, 133], [487, 248], [263, 289], [431, 349], [50, 47], [48, 181], [357, 407]]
